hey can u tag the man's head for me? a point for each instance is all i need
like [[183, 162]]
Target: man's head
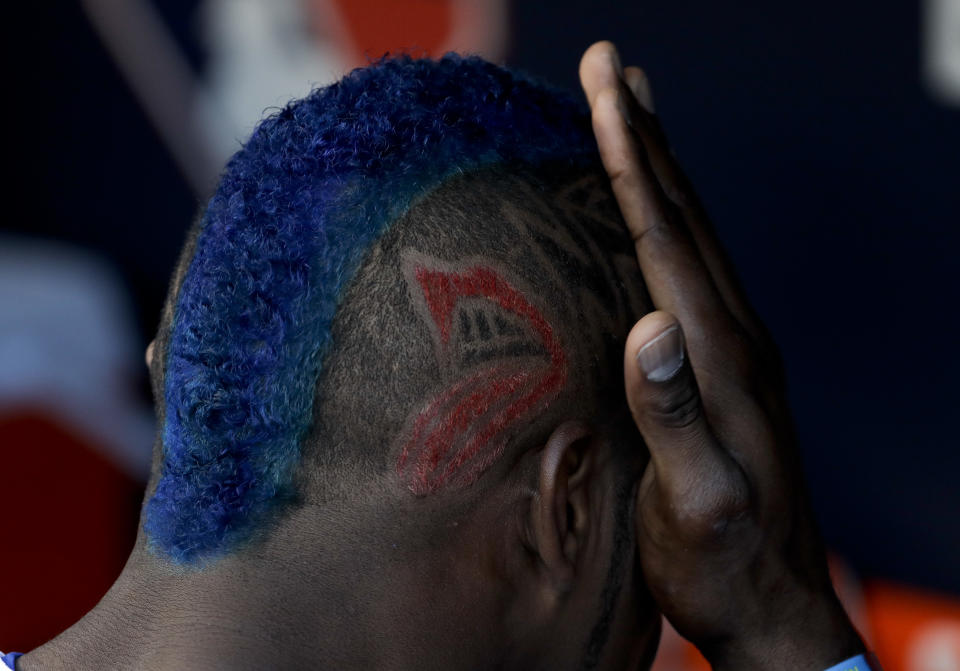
[[404, 311]]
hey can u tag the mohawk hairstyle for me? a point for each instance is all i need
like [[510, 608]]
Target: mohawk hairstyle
[[295, 212]]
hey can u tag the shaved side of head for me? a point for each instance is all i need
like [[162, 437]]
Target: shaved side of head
[[497, 305]]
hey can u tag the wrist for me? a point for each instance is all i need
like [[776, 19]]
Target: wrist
[[864, 662], [816, 639]]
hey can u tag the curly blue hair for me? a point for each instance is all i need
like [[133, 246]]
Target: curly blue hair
[[294, 214]]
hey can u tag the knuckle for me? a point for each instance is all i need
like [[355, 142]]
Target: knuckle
[[650, 233], [669, 225], [621, 177], [659, 219], [625, 171], [677, 407], [714, 513]]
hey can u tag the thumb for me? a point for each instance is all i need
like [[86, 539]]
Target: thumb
[[665, 403]]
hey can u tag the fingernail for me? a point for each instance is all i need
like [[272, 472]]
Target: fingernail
[[661, 358]]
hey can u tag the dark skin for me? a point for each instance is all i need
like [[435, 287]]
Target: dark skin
[[352, 587], [725, 533], [512, 573]]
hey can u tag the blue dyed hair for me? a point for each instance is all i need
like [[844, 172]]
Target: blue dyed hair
[[295, 212]]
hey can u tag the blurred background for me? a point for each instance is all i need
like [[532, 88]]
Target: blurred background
[[824, 138]]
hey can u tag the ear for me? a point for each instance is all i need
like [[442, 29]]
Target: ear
[[559, 513], [148, 355]]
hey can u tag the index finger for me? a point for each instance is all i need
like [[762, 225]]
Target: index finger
[[600, 68], [675, 273], [679, 189]]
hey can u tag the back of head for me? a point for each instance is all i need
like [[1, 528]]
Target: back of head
[[402, 280]]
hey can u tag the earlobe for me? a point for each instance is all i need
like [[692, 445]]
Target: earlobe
[[555, 512]]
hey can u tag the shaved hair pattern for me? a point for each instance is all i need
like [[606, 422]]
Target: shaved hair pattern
[[479, 408], [498, 304], [295, 213]]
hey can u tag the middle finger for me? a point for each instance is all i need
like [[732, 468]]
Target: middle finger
[[673, 269]]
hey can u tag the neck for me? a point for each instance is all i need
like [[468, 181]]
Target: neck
[[296, 600]]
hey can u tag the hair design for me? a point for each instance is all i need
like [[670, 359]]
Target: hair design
[[477, 409], [295, 212]]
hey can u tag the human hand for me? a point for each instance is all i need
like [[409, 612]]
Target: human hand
[[725, 531]]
